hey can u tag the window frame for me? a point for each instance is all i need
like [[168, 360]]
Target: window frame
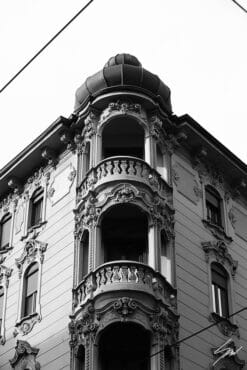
[[220, 289], [215, 210], [26, 296], [37, 196], [7, 246]]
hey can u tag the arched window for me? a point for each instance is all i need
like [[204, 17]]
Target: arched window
[[1, 306], [83, 255], [123, 137], [220, 290], [213, 206], [125, 234], [30, 289], [5, 227]]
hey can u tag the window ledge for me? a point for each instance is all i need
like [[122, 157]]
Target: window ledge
[[34, 229], [6, 249], [217, 230], [225, 326], [26, 324]]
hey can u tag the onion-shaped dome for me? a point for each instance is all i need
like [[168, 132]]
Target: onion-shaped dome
[[123, 72]]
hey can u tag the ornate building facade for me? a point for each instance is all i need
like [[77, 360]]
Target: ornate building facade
[[123, 237]]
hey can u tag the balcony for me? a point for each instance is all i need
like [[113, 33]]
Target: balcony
[[126, 276], [121, 169]]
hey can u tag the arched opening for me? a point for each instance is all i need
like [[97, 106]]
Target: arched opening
[[30, 289], [124, 346], [123, 136], [125, 234], [80, 358]]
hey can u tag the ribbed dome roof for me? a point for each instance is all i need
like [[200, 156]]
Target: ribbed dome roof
[[123, 72]]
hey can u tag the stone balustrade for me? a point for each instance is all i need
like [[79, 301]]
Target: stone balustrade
[[123, 168], [124, 275]]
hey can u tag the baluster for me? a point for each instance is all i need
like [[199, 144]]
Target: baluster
[[123, 166], [102, 275], [140, 274], [116, 276], [131, 168], [132, 275], [108, 274], [138, 169], [109, 168], [124, 273], [148, 278], [104, 171], [116, 169], [98, 280], [145, 171]]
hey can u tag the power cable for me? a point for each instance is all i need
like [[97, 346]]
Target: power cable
[[192, 335], [45, 46], [240, 6]]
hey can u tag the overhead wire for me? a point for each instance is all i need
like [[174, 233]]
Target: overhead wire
[[45, 46], [240, 6]]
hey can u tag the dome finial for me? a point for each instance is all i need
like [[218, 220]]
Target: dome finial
[[123, 59]]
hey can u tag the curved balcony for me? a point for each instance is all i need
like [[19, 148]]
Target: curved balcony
[[123, 168], [124, 275]]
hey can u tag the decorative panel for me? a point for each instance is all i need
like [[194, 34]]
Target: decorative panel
[[240, 222], [61, 184], [186, 183]]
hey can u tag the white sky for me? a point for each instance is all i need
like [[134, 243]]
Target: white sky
[[197, 47]]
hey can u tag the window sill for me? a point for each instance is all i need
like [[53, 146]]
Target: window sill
[[217, 230], [34, 230], [26, 324], [6, 249], [225, 326]]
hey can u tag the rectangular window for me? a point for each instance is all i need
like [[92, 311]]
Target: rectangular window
[[36, 208], [5, 228], [219, 291], [213, 206], [31, 281]]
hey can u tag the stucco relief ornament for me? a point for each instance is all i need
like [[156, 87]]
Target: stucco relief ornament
[[124, 306], [90, 213], [220, 252], [126, 194], [32, 249], [91, 122], [80, 144], [232, 217], [25, 356], [5, 273], [155, 127]]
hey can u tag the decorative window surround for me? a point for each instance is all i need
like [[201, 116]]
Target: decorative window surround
[[8, 206], [38, 180], [33, 252], [217, 251], [25, 357], [5, 274]]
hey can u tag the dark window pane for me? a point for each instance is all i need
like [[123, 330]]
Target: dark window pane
[[5, 231], [219, 284], [213, 206], [1, 302], [30, 304], [31, 283], [36, 208]]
